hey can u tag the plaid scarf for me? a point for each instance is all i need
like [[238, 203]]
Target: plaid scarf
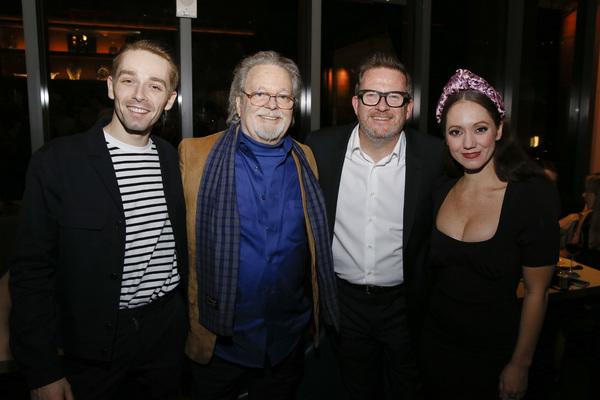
[[218, 230]]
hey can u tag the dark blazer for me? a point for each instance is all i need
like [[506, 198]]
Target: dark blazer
[[65, 280], [423, 169]]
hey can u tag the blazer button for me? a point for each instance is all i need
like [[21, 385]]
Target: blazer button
[[114, 276], [104, 351], [118, 224], [108, 326]]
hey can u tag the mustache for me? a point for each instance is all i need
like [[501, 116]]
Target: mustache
[[381, 114]]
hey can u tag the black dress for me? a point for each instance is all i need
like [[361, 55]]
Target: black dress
[[474, 312]]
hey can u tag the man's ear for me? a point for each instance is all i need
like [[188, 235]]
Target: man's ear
[[111, 91], [355, 104], [171, 101]]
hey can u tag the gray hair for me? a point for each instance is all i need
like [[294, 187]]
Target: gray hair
[[261, 58]]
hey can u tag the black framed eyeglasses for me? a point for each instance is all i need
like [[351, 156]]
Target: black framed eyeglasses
[[393, 99], [260, 99]]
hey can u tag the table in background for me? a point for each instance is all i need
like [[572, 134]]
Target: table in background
[[586, 273]]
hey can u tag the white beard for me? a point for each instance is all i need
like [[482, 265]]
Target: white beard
[[272, 133]]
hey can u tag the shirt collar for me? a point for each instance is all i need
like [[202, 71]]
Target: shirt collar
[[354, 149], [244, 139]]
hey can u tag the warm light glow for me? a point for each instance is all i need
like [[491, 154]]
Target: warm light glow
[[534, 141], [342, 80], [569, 25]]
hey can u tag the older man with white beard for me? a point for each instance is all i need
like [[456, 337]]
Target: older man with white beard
[[258, 241]]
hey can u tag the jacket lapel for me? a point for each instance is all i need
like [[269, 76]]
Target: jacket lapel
[[414, 166], [330, 178], [100, 159]]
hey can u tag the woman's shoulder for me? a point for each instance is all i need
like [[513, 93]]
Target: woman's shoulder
[[535, 185], [536, 194]]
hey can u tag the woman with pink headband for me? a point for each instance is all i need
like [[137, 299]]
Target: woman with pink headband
[[495, 222]]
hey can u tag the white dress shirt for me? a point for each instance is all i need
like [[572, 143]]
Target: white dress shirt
[[367, 236]]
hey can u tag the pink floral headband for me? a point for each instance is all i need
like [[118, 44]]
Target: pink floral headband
[[466, 80]]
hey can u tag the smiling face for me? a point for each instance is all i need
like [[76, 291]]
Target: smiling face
[[266, 124], [381, 123], [471, 135], [141, 91]]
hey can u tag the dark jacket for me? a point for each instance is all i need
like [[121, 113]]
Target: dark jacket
[[423, 170], [65, 280]]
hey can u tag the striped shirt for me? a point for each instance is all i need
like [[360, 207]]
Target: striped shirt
[[150, 265]]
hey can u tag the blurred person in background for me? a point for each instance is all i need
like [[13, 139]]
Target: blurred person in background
[[581, 231]]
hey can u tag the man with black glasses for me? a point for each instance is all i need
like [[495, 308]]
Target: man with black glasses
[[377, 178], [260, 256]]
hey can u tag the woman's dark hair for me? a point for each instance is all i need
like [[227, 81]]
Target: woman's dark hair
[[511, 162]]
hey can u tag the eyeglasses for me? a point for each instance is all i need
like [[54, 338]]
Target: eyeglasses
[[393, 99], [260, 99]]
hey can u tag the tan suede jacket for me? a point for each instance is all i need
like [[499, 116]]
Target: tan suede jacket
[[192, 157]]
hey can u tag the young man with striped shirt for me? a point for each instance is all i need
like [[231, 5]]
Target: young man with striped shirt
[[101, 249]]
